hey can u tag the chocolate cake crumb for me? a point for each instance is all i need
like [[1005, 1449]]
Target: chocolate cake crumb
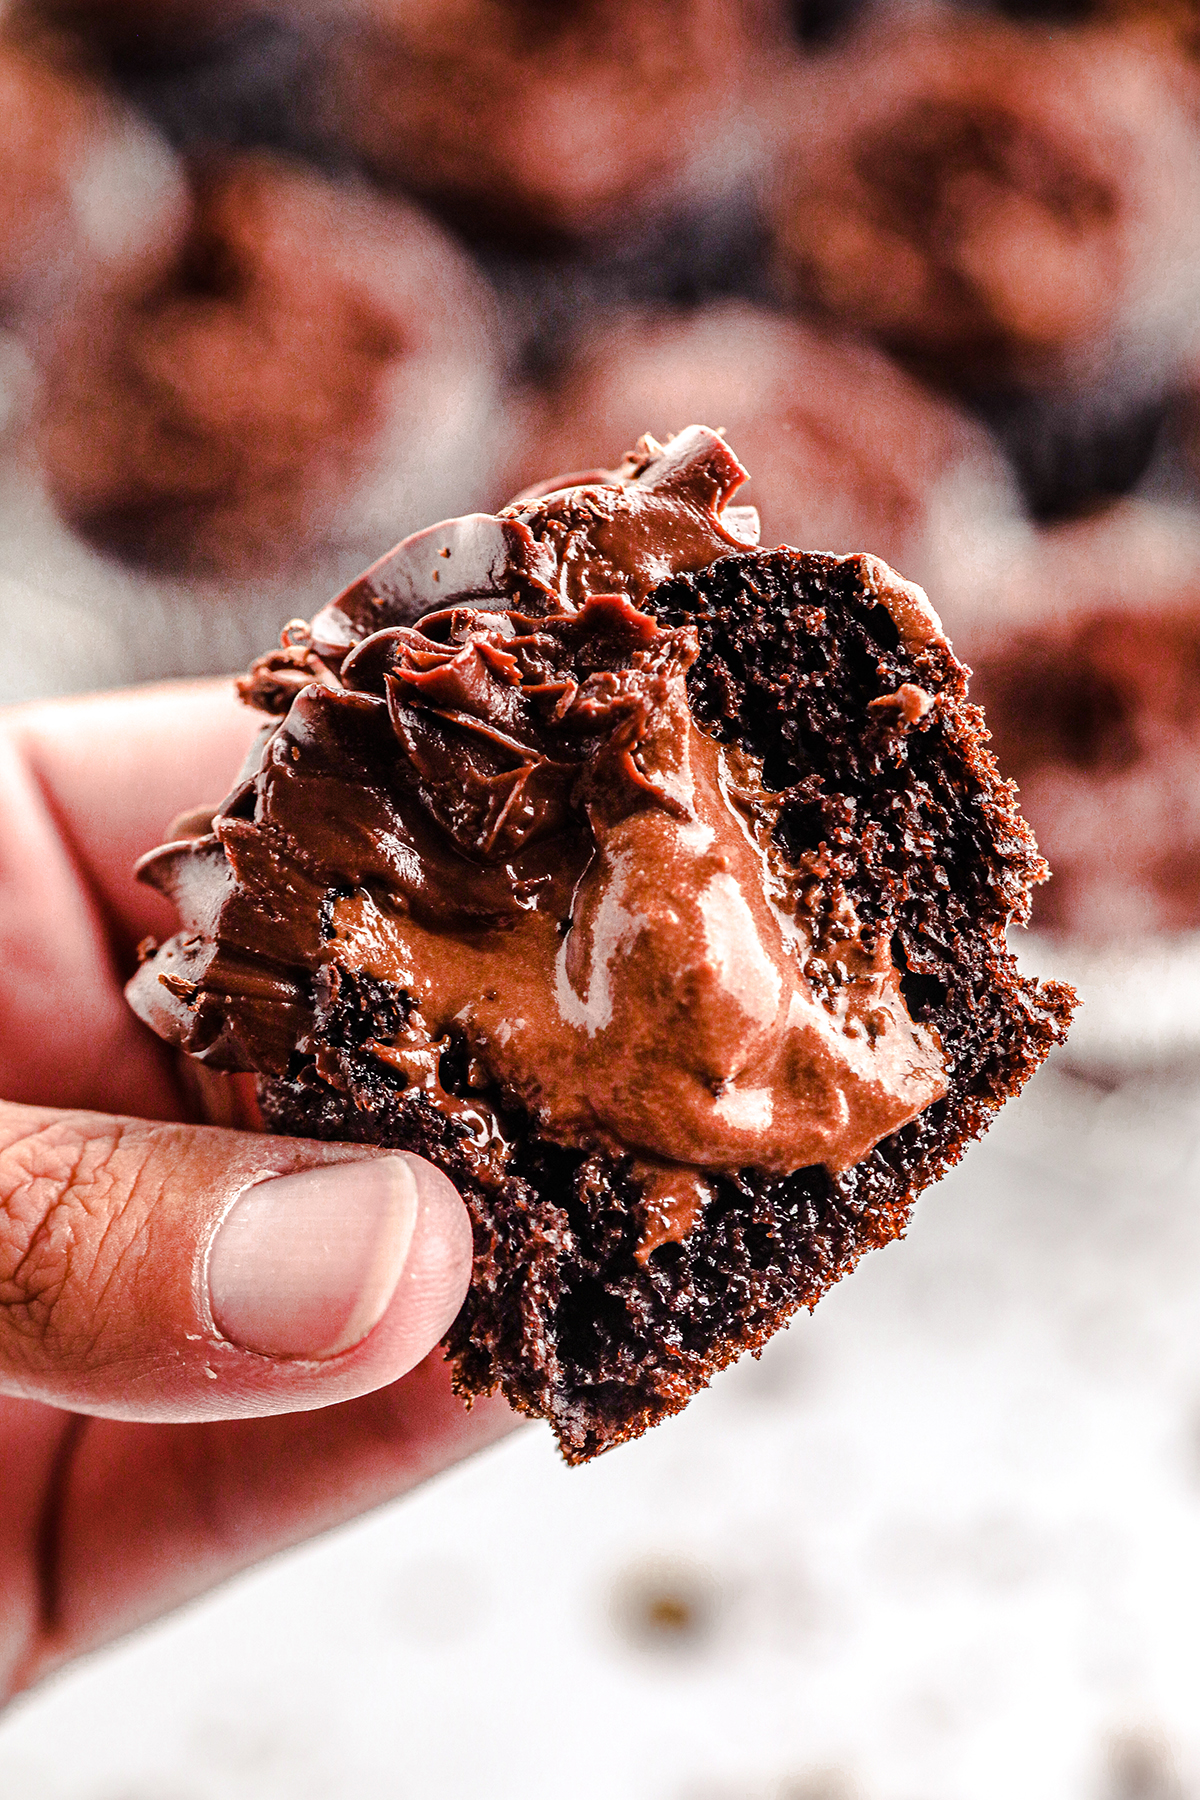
[[651, 885], [908, 819]]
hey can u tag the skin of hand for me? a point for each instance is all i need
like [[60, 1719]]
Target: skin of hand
[[213, 1344]]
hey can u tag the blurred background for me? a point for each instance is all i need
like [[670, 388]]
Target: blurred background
[[283, 280]]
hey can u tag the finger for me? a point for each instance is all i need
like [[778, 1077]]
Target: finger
[[178, 1273], [141, 1518], [67, 1037], [115, 769]]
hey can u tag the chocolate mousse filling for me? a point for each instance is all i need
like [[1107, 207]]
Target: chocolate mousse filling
[[649, 883]]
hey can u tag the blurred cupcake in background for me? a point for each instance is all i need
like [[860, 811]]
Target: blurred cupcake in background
[[85, 183], [303, 370], [538, 120], [1003, 206], [150, 32], [1175, 23], [1181, 464], [209, 72], [1086, 661], [1096, 714], [1176, 20], [844, 449]]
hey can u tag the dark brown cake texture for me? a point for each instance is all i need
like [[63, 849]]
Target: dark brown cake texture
[[653, 885]]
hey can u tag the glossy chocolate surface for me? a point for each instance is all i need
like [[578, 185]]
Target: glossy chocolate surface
[[509, 816]]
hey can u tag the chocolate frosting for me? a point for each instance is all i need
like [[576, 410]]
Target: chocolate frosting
[[508, 813], [619, 531]]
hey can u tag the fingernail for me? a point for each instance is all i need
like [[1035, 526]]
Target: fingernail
[[305, 1265]]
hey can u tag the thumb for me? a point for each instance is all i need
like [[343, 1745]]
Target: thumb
[[172, 1272]]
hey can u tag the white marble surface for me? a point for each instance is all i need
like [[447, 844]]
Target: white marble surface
[[1140, 999], [942, 1542]]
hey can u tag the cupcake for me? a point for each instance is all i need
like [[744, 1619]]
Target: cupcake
[[532, 122], [1087, 663], [652, 884], [1005, 206], [297, 364]]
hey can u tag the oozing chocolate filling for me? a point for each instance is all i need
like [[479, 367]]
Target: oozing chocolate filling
[[511, 819]]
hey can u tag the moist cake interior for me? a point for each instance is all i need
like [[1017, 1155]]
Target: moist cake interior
[[898, 809]]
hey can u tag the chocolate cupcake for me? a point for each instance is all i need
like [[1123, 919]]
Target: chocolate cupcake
[[1006, 206], [845, 448], [302, 362], [653, 885], [534, 121], [1087, 663]]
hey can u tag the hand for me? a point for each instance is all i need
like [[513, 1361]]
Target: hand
[[200, 1362]]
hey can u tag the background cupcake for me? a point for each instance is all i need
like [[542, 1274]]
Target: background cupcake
[[303, 365]]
